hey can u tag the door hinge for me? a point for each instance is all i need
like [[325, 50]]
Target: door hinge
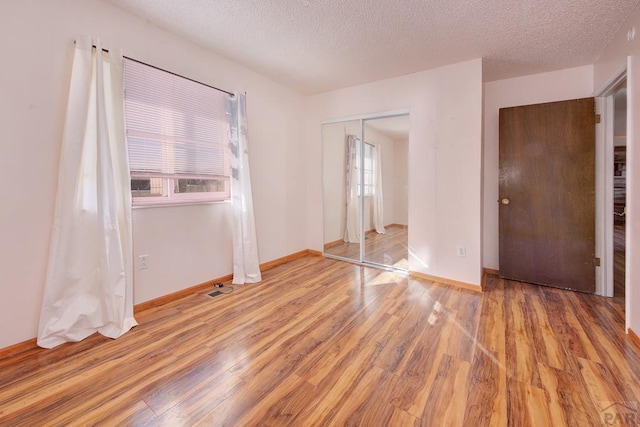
[[596, 262], [597, 118]]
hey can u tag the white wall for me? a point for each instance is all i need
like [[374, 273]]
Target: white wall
[[186, 245], [444, 161], [614, 58], [560, 85]]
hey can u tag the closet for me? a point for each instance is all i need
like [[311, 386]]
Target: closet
[[365, 189]]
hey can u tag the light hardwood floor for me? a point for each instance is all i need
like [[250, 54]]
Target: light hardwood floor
[[325, 342]]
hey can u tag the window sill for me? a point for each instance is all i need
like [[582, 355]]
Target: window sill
[[178, 204]]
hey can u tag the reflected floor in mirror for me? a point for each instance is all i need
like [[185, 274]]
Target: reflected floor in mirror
[[389, 248]]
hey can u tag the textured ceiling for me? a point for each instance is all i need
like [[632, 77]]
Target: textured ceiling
[[318, 45]]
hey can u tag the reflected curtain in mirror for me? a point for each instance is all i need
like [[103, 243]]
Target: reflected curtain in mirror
[[352, 168], [378, 199]]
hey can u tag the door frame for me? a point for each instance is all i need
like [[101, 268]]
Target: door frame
[[604, 180]]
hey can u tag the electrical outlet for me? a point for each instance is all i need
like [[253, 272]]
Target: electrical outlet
[[143, 262], [461, 251]]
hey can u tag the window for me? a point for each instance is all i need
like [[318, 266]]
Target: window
[[368, 168], [178, 138]]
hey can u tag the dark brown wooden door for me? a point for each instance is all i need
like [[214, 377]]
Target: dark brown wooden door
[[547, 194]]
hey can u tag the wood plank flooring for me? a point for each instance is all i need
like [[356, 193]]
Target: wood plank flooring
[[390, 248], [322, 342]]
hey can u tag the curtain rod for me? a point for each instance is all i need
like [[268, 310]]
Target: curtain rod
[[358, 138], [170, 72]]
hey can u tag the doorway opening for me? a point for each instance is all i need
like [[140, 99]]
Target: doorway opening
[[619, 188], [611, 190]]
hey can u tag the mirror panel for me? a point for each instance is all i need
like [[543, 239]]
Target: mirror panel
[[336, 187], [386, 200], [365, 190]]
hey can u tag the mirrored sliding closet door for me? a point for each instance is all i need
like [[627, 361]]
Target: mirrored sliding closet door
[[365, 181]]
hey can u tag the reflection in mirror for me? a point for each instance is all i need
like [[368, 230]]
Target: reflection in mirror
[[366, 190], [339, 142], [386, 204]]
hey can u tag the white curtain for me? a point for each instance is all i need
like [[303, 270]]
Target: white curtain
[[89, 280], [352, 172], [246, 265], [378, 212]]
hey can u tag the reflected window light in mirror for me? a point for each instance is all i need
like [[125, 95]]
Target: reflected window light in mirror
[[368, 170]]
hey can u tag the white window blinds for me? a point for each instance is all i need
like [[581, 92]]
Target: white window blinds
[[176, 128]]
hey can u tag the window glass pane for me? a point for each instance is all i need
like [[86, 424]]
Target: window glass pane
[[199, 185], [146, 187], [368, 169]]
